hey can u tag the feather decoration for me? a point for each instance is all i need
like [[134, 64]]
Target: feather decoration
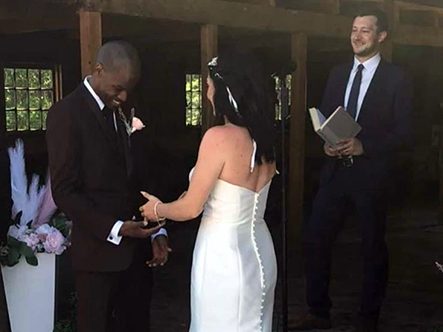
[[47, 207], [24, 199]]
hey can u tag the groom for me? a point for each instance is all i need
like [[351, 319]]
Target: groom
[[91, 171]]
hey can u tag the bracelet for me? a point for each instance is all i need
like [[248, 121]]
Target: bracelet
[[155, 212]]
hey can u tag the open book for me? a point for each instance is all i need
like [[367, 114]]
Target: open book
[[339, 126]]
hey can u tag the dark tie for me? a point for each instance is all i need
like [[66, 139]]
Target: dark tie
[[108, 113], [355, 89]]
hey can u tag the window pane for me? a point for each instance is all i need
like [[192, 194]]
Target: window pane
[[35, 119], [22, 120], [34, 78], [11, 122], [34, 99], [9, 99], [21, 78], [9, 78], [46, 79], [22, 99], [44, 116], [47, 99]]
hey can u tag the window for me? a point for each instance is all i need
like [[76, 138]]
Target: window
[[29, 93], [193, 99], [277, 90]]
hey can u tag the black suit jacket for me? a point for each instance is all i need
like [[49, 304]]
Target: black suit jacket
[[89, 168], [384, 118]]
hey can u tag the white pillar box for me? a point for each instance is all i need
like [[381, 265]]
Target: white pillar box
[[30, 294]]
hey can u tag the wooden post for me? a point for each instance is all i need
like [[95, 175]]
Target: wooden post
[[90, 39], [297, 135], [208, 49], [388, 46]]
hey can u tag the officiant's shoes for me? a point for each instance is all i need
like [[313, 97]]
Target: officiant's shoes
[[366, 325], [309, 322]]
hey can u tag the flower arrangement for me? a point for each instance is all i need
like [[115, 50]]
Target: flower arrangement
[[34, 228]]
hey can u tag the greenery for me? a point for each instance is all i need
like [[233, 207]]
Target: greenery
[[68, 325], [14, 249], [28, 96], [193, 99]]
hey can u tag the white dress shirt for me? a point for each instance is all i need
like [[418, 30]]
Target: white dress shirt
[[114, 236], [370, 67]]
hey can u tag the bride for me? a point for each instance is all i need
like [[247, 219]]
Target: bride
[[234, 268]]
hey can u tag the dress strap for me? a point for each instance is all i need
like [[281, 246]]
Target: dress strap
[[254, 151]]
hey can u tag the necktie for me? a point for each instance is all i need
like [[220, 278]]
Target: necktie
[[355, 89], [108, 113]]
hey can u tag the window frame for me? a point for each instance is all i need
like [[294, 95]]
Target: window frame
[[57, 93], [200, 92]]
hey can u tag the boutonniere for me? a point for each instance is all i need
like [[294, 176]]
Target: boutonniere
[[133, 123]]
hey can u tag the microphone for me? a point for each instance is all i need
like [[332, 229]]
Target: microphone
[[285, 69]]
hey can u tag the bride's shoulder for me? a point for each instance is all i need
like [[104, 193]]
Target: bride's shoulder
[[218, 133]]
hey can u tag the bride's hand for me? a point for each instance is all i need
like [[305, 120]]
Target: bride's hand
[[147, 210]]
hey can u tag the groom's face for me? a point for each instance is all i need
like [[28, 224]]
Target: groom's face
[[114, 85]]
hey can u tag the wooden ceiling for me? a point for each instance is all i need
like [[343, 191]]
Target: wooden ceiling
[[418, 22]]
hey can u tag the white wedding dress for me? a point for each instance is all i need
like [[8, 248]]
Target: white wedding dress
[[234, 268]]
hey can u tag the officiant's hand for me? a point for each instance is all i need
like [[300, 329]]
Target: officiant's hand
[[350, 147], [160, 251], [138, 229], [330, 151]]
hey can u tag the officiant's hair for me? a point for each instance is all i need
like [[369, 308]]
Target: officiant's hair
[[243, 95], [118, 54]]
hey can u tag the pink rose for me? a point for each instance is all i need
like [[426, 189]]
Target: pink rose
[[137, 124], [54, 242], [31, 240]]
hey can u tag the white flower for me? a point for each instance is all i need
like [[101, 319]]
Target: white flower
[[17, 232], [44, 229], [137, 124], [439, 266]]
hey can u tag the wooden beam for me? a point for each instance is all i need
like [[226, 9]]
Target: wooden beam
[[440, 169], [38, 23], [230, 14], [90, 39], [299, 46], [388, 46], [208, 48], [418, 36], [323, 6]]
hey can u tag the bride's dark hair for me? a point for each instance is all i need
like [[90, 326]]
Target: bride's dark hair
[[243, 96]]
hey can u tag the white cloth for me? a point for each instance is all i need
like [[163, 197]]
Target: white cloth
[[370, 66], [234, 269]]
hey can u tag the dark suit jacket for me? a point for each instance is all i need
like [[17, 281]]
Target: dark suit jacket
[[90, 182], [384, 118]]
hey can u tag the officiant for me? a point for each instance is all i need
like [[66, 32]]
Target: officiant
[[355, 176]]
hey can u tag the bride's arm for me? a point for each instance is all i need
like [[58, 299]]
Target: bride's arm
[[209, 165]]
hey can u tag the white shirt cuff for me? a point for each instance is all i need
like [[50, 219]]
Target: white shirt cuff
[[161, 231], [113, 236]]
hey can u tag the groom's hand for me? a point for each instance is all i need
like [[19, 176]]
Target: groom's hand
[[138, 229], [160, 251]]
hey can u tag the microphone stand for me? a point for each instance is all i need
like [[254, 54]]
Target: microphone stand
[[284, 106]]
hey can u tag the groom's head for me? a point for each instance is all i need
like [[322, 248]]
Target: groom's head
[[116, 72]]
